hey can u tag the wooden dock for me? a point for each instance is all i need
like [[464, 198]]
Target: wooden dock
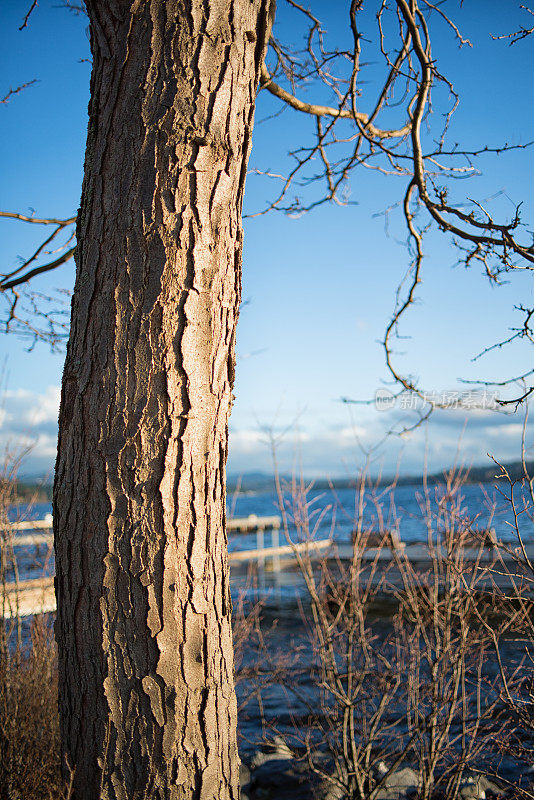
[[37, 596], [28, 598]]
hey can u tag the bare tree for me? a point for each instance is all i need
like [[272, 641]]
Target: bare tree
[[143, 626]]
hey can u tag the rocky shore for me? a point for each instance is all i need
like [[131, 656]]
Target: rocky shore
[[276, 772]]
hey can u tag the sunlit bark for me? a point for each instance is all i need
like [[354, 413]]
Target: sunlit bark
[[146, 671]]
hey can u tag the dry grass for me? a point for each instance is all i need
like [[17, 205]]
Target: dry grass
[[29, 726]]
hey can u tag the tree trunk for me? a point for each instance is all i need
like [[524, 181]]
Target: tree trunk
[[147, 703]]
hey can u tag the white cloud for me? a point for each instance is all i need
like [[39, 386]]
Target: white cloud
[[331, 446], [514, 429], [29, 420], [31, 409], [247, 441], [338, 449]]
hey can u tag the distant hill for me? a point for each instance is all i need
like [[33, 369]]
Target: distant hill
[[40, 492], [33, 491], [250, 482], [480, 474], [488, 474], [263, 481]]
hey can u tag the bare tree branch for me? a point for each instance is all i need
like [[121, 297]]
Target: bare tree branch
[[327, 111], [12, 92], [5, 285], [37, 220], [346, 137], [26, 18], [25, 312], [395, 135], [522, 33]]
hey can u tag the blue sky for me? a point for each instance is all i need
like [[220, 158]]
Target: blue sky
[[319, 289]]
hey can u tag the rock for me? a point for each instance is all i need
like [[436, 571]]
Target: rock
[[334, 793], [398, 785], [471, 791], [277, 750], [471, 788], [281, 779], [244, 774], [244, 781], [475, 786], [330, 791]]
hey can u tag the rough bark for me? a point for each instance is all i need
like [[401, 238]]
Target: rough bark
[[147, 704]]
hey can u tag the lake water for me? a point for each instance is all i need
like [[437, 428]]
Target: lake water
[[483, 504], [333, 513]]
